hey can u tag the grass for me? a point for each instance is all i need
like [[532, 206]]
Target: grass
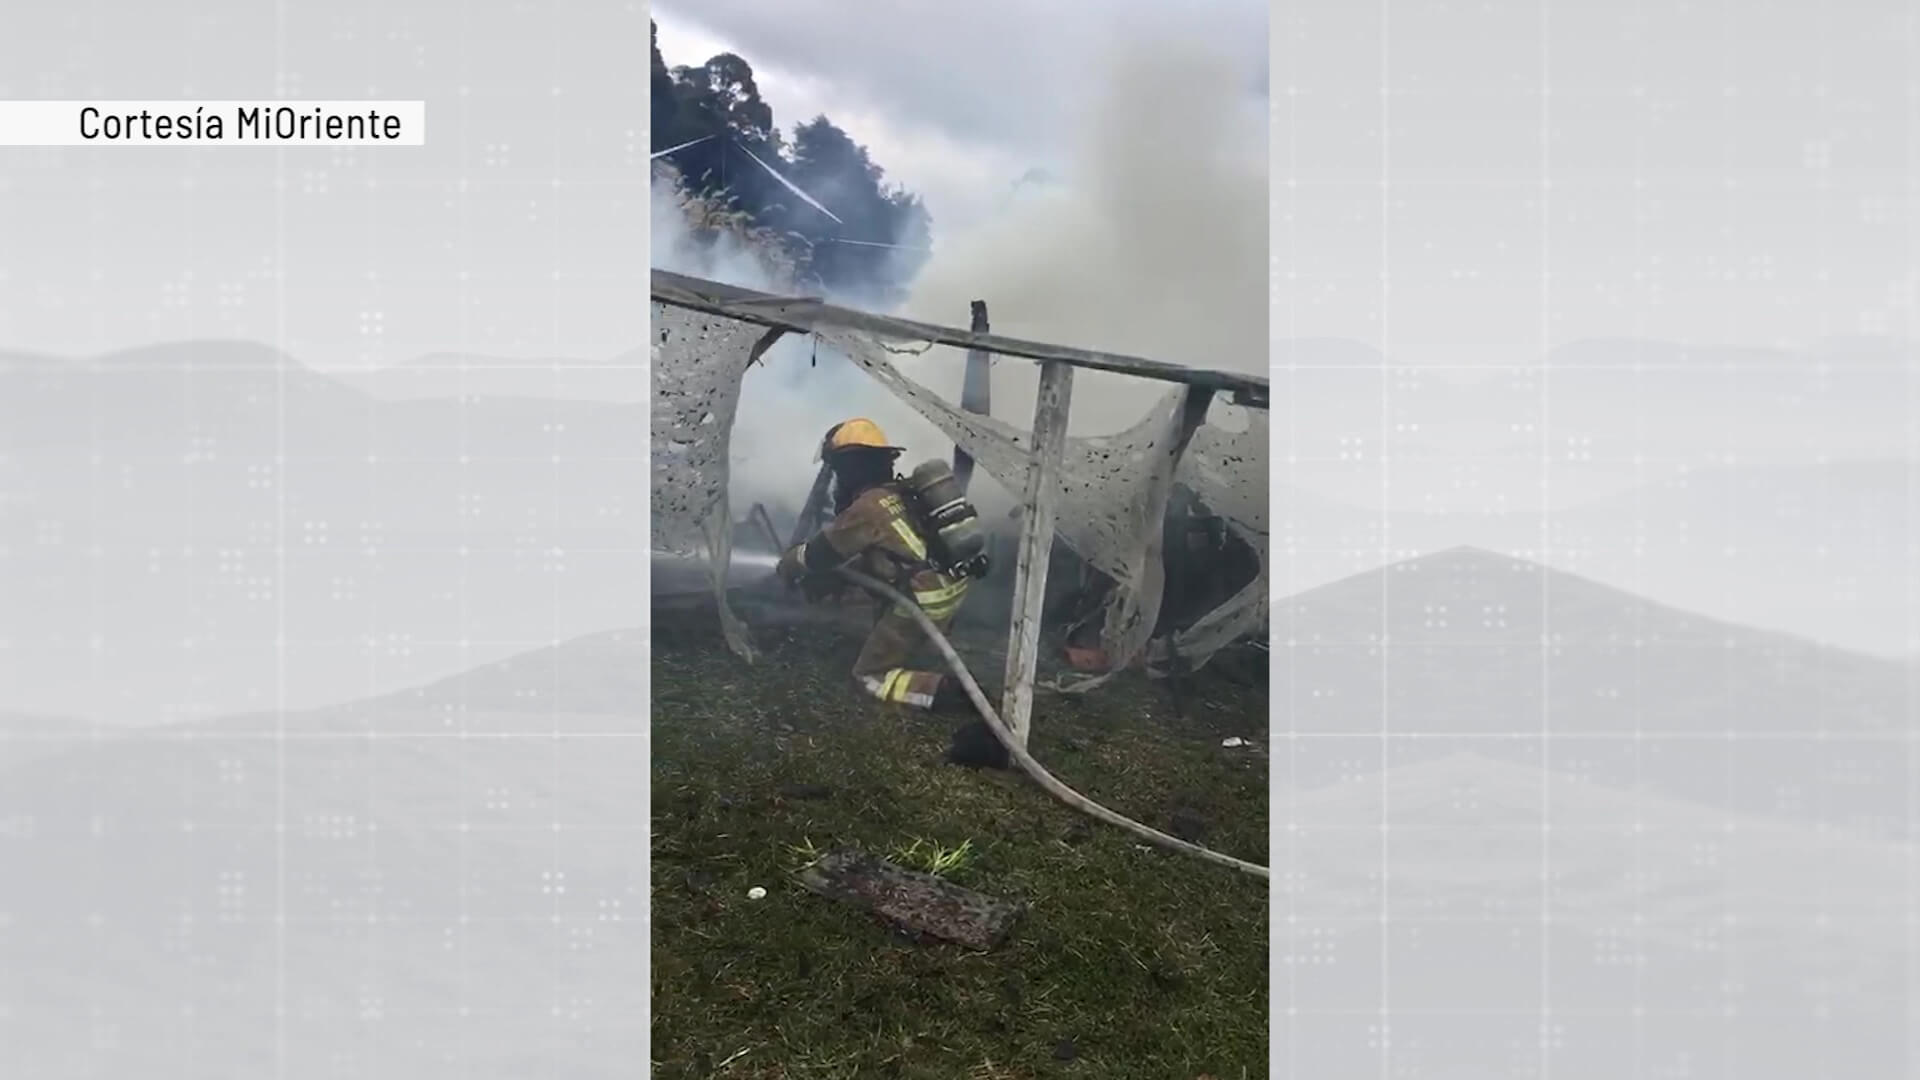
[[1129, 962], [934, 858]]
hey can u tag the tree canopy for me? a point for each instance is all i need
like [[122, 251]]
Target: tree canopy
[[718, 101]]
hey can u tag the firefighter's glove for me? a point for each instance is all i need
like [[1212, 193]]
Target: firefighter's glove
[[792, 566], [822, 586]]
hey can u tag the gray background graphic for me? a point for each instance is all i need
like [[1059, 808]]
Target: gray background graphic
[[257, 330], [1596, 410], [1597, 562], [243, 475]]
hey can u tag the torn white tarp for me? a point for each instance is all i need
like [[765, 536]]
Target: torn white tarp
[[1113, 488]]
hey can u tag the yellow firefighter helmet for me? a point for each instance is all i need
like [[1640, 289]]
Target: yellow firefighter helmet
[[856, 434]]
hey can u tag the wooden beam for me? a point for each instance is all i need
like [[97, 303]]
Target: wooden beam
[[976, 391], [806, 314], [1038, 507]]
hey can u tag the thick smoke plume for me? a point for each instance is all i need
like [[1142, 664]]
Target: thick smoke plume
[[1152, 242]]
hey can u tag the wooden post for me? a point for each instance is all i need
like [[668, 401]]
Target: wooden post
[[976, 391], [1037, 507]]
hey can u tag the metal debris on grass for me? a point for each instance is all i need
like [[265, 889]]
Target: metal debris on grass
[[911, 900]]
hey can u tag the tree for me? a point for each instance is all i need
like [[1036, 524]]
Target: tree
[[721, 99], [723, 90], [664, 102], [843, 175]]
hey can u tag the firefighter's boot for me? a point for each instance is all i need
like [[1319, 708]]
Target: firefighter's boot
[[950, 699]]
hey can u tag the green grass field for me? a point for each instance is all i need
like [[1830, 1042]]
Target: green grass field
[[1130, 962]]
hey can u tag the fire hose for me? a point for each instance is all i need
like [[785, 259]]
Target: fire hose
[[1019, 753]]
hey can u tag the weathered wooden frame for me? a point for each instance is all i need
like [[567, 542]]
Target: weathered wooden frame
[[806, 314], [1040, 497]]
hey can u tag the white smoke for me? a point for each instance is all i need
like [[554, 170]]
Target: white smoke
[[790, 400], [1153, 242]]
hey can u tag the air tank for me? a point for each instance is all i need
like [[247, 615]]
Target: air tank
[[954, 522]]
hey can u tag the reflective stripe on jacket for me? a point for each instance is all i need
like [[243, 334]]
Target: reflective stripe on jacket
[[877, 536]]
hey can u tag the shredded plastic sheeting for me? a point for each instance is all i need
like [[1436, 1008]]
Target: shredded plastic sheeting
[[698, 361], [1228, 470], [1112, 497], [1239, 615]]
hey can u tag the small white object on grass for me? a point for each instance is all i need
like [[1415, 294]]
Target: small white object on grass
[[756, 893], [1233, 740]]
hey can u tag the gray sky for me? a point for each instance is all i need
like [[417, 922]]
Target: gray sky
[[904, 79]]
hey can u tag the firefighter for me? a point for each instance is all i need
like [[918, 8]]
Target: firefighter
[[874, 531]]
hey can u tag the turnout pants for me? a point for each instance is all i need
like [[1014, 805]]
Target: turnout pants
[[884, 668]]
